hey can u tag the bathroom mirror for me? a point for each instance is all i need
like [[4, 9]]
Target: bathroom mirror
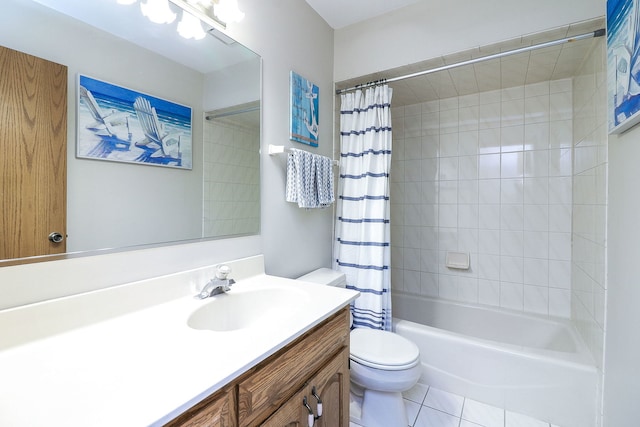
[[114, 205]]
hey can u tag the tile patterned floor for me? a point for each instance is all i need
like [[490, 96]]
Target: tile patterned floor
[[429, 407]]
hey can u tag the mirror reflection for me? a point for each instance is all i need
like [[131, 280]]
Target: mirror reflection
[[114, 205]]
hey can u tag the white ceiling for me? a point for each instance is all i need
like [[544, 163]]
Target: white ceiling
[[549, 63], [341, 13]]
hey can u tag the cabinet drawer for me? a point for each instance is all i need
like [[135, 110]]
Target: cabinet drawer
[[267, 387], [217, 410]]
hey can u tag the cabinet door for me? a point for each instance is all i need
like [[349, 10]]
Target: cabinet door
[[215, 411], [268, 387], [331, 384]]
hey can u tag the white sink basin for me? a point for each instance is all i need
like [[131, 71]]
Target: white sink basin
[[240, 309]]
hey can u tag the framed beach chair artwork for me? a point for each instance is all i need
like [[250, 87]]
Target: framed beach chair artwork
[[623, 64], [124, 125], [304, 110]]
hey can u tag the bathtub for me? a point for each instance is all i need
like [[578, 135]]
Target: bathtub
[[523, 363]]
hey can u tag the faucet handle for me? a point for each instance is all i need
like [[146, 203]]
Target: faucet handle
[[223, 271]]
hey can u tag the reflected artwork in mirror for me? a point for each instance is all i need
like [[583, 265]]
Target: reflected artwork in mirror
[[114, 206]]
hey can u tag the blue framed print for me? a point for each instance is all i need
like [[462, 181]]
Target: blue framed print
[[123, 125], [304, 110], [623, 65]]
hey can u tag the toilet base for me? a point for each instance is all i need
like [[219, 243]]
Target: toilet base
[[383, 409]]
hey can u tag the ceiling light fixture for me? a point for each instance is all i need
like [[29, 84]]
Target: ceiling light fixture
[[228, 11], [158, 11], [190, 27]]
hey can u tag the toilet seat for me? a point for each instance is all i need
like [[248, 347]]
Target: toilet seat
[[383, 350]]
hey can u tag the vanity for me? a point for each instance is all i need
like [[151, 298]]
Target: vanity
[[132, 355]]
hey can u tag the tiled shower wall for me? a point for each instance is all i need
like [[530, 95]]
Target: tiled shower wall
[[231, 179], [590, 201], [489, 174]]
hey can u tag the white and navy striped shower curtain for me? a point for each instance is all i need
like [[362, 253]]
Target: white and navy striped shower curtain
[[362, 246]]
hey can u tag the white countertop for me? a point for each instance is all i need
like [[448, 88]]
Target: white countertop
[[138, 368]]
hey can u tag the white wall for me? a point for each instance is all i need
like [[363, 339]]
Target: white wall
[[622, 341], [289, 35], [295, 240], [429, 29]]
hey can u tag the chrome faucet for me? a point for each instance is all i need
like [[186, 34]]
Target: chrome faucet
[[219, 284]]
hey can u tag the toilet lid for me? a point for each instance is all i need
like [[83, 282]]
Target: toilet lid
[[383, 349]]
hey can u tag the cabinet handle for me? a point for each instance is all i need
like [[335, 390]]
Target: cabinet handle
[[311, 419], [315, 394]]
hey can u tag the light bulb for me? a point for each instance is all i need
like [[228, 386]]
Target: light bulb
[[227, 11], [158, 11], [190, 27]]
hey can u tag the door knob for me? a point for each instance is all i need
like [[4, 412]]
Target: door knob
[[56, 237]]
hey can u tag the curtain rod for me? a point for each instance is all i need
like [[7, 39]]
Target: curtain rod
[[232, 113], [597, 33]]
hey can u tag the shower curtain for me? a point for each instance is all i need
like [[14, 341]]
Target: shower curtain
[[362, 248]]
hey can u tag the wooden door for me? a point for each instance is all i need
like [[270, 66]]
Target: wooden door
[[33, 154]]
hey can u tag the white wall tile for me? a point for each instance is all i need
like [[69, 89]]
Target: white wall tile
[[536, 190], [468, 191], [536, 109], [536, 244], [489, 217], [448, 286], [489, 241], [489, 141], [537, 136], [560, 134], [559, 302], [511, 191], [511, 269], [489, 166], [489, 292], [512, 165], [512, 295], [511, 217], [429, 284], [489, 115], [448, 192], [536, 299], [536, 163], [489, 191], [468, 167], [512, 112], [491, 174], [536, 218], [560, 274], [488, 266], [449, 145], [536, 271], [560, 246], [468, 143], [449, 168], [512, 138]]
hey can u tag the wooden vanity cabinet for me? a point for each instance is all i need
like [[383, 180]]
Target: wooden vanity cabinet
[[271, 393]]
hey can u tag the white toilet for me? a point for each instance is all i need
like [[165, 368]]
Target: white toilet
[[383, 365]]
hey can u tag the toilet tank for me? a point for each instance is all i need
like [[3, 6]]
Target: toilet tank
[[326, 276]]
